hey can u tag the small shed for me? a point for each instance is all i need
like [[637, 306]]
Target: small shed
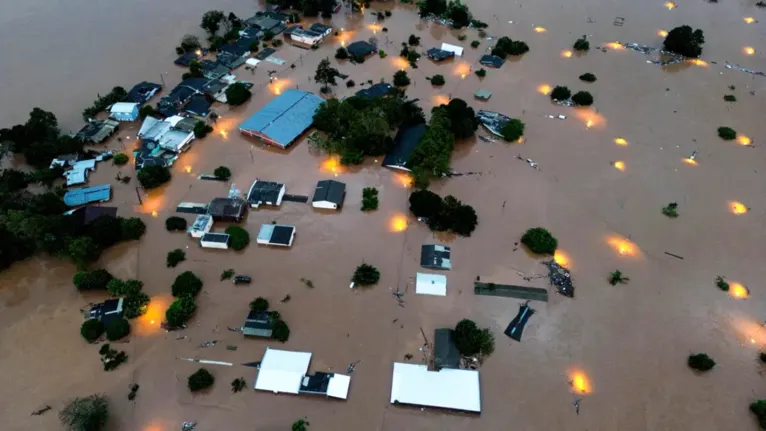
[[202, 225], [446, 354], [431, 284], [329, 194], [483, 95], [435, 256], [380, 89], [322, 29], [458, 50], [124, 111], [215, 240], [275, 234], [258, 324]]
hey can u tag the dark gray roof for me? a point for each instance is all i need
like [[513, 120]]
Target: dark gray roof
[[330, 191], [198, 105], [235, 49], [227, 208], [142, 92], [435, 256], [407, 138], [231, 60], [85, 215], [320, 28], [446, 354], [264, 191], [214, 87], [360, 49], [265, 53], [257, 324], [98, 130], [437, 54], [196, 84], [316, 384], [187, 58], [491, 61], [223, 238], [380, 89], [282, 235]]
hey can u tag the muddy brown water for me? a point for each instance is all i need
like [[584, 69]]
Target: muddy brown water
[[627, 343]]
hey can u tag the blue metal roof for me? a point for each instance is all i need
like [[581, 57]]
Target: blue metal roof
[[284, 118], [87, 195]]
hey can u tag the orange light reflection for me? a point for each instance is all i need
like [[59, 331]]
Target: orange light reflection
[[562, 259], [619, 165], [749, 19], [739, 291], [615, 45], [662, 33], [540, 29], [461, 69], [332, 165], [544, 89], [440, 99], [670, 5], [690, 162], [149, 322], [698, 62], [566, 53], [743, 140], [590, 118], [400, 63], [749, 50], [622, 246], [402, 179], [580, 382], [397, 223], [620, 141], [738, 207]]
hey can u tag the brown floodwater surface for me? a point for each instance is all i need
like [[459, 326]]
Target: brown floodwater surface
[[605, 173]]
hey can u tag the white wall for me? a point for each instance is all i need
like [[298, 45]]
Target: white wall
[[325, 204]]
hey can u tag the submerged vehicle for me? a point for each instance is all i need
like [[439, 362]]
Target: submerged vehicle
[[241, 279]]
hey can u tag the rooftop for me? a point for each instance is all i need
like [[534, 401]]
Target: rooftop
[[430, 284], [85, 215], [437, 54], [123, 107], [283, 119], [98, 130], [407, 138], [143, 91], [380, 89], [87, 195], [226, 208], [450, 389], [222, 238], [257, 324], [198, 105], [330, 191], [435, 256], [282, 371], [361, 48], [274, 234], [265, 192], [491, 61], [446, 354]]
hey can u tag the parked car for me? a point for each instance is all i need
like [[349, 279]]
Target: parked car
[[242, 279]]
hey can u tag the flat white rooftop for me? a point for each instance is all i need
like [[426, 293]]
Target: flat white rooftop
[[449, 389], [282, 371], [431, 284]]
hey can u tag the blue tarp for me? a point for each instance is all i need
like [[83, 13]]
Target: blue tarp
[[87, 195], [284, 118]]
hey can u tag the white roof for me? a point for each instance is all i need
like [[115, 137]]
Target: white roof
[[431, 284], [338, 386], [125, 107], [458, 50], [175, 140], [448, 388], [252, 61], [282, 371]]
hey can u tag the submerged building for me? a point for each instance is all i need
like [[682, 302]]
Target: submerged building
[[283, 371], [283, 119], [448, 388]]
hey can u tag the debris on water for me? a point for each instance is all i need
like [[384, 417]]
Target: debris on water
[[559, 117], [560, 278], [182, 337], [352, 366], [234, 329], [532, 164], [188, 426], [486, 138], [207, 344], [41, 411], [231, 348]]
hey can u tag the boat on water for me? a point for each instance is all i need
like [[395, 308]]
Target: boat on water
[[493, 121]]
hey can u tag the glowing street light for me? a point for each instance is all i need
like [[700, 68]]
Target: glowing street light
[[562, 259], [670, 5], [540, 29], [662, 33], [566, 53], [749, 50], [738, 291], [619, 165], [738, 208], [398, 223], [615, 45], [621, 141], [622, 246], [580, 382], [544, 89], [743, 140], [749, 19]]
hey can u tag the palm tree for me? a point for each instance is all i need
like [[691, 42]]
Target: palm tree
[[616, 277]]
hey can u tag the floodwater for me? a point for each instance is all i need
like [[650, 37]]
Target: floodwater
[[626, 345]]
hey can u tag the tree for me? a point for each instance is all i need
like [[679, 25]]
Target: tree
[[425, 203], [238, 385], [560, 92], [91, 330], [93, 280], [700, 362], [237, 94], [222, 173], [471, 340], [513, 130], [437, 80], [238, 238], [325, 75], [83, 251], [481, 73], [759, 408], [475, 44], [146, 111], [153, 176], [432, 7], [175, 257], [369, 199], [200, 379], [401, 79], [180, 311], [201, 129], [616, 278], [726, 133], [186, 284], [117, 329], [135, 304], [190, 43], [132, 228], [462, 118], [582, 98], [117, 287], [721, 284], [300, 425], [105, 231], [211, 21], [259, 304], [464, 220], [506, 46], [120, 159], [582, 44], [280, 331], [587, 77], [671, 210], [366, 275], [458, 13], [540, 241], [684, 41], [89, 413], [341, 53], [175, 223], [413, 40]]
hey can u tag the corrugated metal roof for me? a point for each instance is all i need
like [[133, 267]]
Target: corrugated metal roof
[[86, 195], [284, 118]]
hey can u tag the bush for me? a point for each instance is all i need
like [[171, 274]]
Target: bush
[[759, 410], [278, 42], [671, 210], [259, 304], [90, 413], [366, 275], [186, 284], [582, 98], [302, 424], [560, 92], [92, 280], [581, 44], [201, 129], [222, 173], [762, 357], [180, 311], [701, 362], [268, 35], [200, 379], [369, 199], [111, 358], [443, 214], [280, 331], [726, 133], [253, 47], [475, 44], [388, 13], [132, 228], [227, 274], [437, 80], [120, 159], [616, 277], [401, 79], [238, 385], [588, 77], [462, 37], [238, 237], [540, 241], [413, 40], [506, 46], [175, 257], [135, 305], [684, 41], [175, 223], [83, 250], [425, 203], [153, 176], [341, 53], [237, 94], [470, 340], [117, 287], [481, 73], [117, 329], [512, 130], [721, 284], [350, 83], [382, 54], [91, 330], [728, 98]]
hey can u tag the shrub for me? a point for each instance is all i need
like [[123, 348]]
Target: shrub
[[471, 340], [238, 237], [437, 80], [175, 257], [186, 284], [237, 94], [132, 228], [670, 210], [401, 79], [721, 284], [726, 133], [91, 330], [259, 304], [588, 77], [153, 176], [83, 250], [146, 111], [616, 278], [506, 46], [462, 37], [237, 385], [180, 311], [701, 362], [86, 414], [582, 98], [425, 203], [301, 424], [200, 379], [135, 305], [581, 44], [382, 54], [341, 53], [112, 358], [684, 41], [475, 44], [117, 329], [481, 73], [201, 129], [728, 98], [413, 40], [92, 280], [366, 275], [175, 223], [253, 47], [512, 130], [227, 274], [369, 199], [120, 159], [280, 331], [222, 173], [759, 407], [276, 43], [560, 92], [540, 241], [117, 287], [268, 35], [350, 83]]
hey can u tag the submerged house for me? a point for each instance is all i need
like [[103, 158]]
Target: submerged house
[[186, 58], [165, 134], [124, 111], [232, 55], [213, 69], [322, 29], [491, 61], [198, 105], [283, 119], [329, 194], [227, 209], [407, 138], [361, 49], [430, 284], [96, 131], [83, 216], [446, 354], [275, 234], [142, 92], [435, 256], [283, 371], [107, 311], [202, 225], [215, 240], [307, 37], [457, 50], [265, 193], [493, 121], [258, 324], [448, 388], [380, 89], [437, 54]]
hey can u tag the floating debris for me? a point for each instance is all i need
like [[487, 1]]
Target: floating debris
[[560, 278], [207, 344], [352, 366], [188, 426], [530, 162], [41, 411], [493, 121], [560, 117]]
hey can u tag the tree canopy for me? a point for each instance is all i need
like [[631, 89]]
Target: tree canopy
[[326, 74], [506, 46], [117, 329], [540, 241], [222, 173], [560, 92], [366, 275], [582, 98], [259, 304], [684, 41], [91, 330], [186, 284], [237, 94], [200, 379], [89, 413], [462, 118], [239, 238], [211, 21], [470, 340], [180, 311], [448, 214], [153, 176], [512, 130]]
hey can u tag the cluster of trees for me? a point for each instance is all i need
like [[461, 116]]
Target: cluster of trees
[[279, 330], [186, 287], [120, 159], [454, 10], [562, 93], [201, 129], [237, 94], [582, 44], [200, 379], [410, 55], [153, 176], [506, 46], [39, 139], [221, 28], [118, 94], [222, 173], [513, 130], [471, 340], [135, 300], [175, 257], [326, 74], [448, 214], [175, 223], [684, 41], [727, 133], [401, 79], [134, 304], [189, 43], [759, 410], [540, 240], [356, 127], [111, 358], [437, 80]]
